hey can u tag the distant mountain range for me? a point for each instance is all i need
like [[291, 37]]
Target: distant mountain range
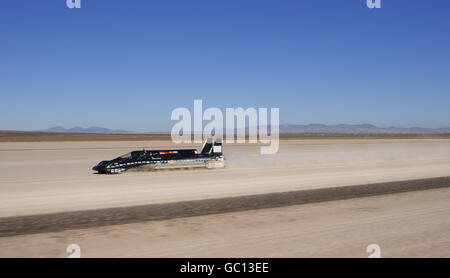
[[358, 129], [290, 129], [92, 129]]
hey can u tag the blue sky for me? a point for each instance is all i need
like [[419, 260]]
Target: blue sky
[[127, 64]]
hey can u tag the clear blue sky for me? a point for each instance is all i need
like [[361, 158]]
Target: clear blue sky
[[127, 64]]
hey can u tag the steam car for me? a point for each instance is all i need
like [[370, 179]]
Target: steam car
[[210, 156]]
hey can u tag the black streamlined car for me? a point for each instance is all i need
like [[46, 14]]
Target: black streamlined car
[[210, 156]]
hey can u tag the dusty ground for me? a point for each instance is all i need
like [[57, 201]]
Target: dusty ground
[[413, 224], [56, 222], [50, 177]]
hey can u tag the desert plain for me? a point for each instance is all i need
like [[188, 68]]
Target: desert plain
[[44, 180]]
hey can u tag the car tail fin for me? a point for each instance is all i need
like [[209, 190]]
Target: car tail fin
[[217, 148], [207, 146]]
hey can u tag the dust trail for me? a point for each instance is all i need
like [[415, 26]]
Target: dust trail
[[342, 152]]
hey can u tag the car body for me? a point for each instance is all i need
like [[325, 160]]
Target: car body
[[210, 156]]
